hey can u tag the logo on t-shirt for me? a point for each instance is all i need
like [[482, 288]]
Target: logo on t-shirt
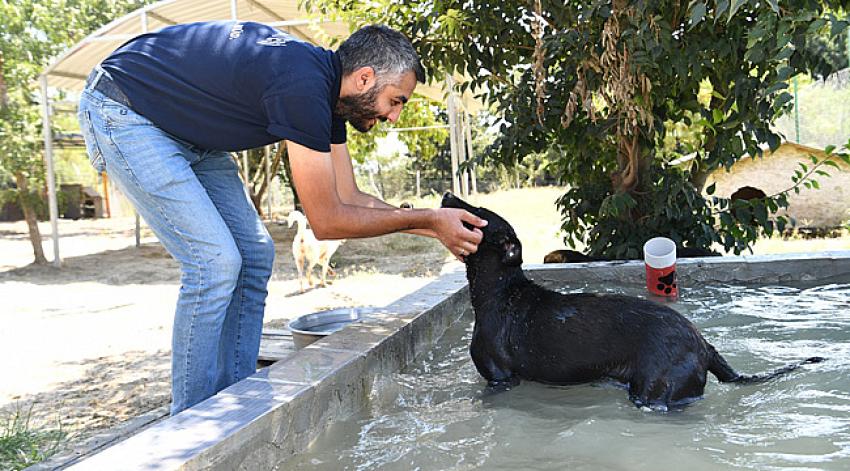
[[274, 41], [236, 31]]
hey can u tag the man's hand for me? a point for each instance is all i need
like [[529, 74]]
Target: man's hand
[[449, 228], [336, 209]]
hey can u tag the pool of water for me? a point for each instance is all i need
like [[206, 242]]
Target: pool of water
[[437, 415]]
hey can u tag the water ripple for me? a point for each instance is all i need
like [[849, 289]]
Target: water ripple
[[435, 416]]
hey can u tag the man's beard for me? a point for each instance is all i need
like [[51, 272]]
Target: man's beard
[[359, 110]]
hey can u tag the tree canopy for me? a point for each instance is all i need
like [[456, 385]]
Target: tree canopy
[[32, 32], [604, 82]]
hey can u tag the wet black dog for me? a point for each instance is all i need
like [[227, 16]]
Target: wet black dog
[[524, 331]]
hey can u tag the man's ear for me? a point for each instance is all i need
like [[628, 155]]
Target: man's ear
[[364, 78], [513, 254]]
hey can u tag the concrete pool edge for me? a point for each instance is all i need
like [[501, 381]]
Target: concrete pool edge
[[259, 422], [278, 411], [746, 268]]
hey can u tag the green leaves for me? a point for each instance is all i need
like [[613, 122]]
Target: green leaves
[[713, 75], [736, 4], [697, 13]]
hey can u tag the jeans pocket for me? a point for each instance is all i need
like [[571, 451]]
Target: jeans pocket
[[92, 148]]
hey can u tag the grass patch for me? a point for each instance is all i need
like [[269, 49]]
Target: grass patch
[[21, 445]]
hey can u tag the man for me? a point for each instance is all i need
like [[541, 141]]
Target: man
[[161, 114]]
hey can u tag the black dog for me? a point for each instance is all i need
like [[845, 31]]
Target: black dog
[[524, 331]]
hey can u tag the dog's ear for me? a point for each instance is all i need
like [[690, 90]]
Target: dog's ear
[[513, 254]]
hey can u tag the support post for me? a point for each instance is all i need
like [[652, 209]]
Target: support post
[[462, 157], [51, 176], [453, 144], [105, 180], [796, 112], [470, 155], [267, 159], [138, 229]]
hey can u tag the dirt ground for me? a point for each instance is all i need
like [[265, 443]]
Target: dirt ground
[[86, 347]]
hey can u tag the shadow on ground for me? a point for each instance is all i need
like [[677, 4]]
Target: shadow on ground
[[395, 254], [112, 390]]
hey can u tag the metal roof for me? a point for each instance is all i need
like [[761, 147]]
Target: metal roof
[[69, 70]]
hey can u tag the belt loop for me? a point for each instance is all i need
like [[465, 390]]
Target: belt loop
[[97, 77]]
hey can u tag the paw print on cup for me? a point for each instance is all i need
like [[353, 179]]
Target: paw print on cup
[[659, 255]]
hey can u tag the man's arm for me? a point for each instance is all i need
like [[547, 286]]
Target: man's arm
[[331, 217], [350, 193]]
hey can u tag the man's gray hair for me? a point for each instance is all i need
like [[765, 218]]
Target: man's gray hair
[[385, 50]]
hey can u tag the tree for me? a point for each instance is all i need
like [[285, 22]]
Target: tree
[[423, 118], [32, 32], [257, 176], [603, 82]]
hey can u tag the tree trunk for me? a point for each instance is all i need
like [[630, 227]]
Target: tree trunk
[[375, 188], [287, 170], [3, 94], [698, 178], [30, 217], [258, 185]]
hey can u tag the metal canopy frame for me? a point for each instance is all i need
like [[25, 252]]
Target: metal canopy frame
[[69, 70]]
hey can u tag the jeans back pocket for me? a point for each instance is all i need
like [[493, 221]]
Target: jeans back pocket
[[92, 147]]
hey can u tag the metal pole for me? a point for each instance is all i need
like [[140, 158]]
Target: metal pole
[[463, 155], [266, 156], [275, 179], [51, 176], [138, 232], [796, 112], [138, 229], [470, 155], [452, 134], [105, 180], [417, 128], [233, 10]]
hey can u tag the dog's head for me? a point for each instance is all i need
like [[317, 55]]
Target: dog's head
[[499, 237], [295, 216]]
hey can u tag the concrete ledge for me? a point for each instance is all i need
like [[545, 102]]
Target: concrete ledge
[[263, 420], [281, 409], [745, 269]]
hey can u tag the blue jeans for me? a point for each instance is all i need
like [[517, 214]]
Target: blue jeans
[[195, 203]]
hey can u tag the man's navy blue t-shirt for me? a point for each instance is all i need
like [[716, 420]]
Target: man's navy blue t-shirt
[[232, 85]]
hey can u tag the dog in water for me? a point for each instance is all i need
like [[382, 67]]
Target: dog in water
[[525, 331]]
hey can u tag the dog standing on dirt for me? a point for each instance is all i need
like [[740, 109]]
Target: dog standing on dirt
[[309, 251], [524, 331]]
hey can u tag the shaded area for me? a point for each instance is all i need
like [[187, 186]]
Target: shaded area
[[112, 390], [395, 254]]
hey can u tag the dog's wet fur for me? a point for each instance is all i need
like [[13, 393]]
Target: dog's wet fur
[[525, 331]]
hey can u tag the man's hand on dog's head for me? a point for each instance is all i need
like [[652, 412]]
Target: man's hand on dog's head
[[458, 230]]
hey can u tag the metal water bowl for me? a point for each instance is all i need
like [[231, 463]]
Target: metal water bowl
[[311, 327]]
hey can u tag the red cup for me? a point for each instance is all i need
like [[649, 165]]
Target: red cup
[[659, 256]]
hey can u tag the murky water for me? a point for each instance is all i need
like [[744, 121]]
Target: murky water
[[436, 414]]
